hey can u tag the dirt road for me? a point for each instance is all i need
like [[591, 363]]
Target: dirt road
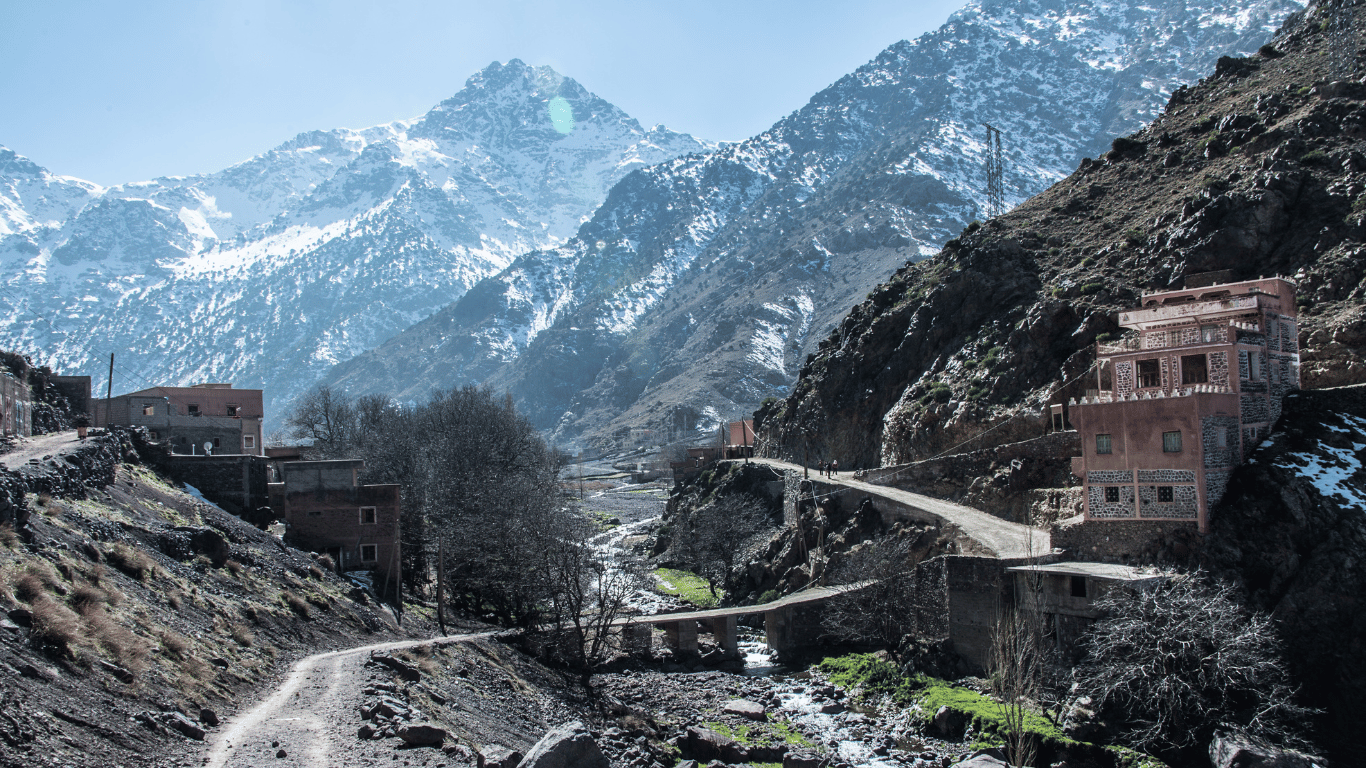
[[54, 444], [312, 716]]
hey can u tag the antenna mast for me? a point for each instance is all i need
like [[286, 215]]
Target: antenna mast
[[995, 173]]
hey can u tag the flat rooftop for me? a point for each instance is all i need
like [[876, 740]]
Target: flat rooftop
[[1106, 571]]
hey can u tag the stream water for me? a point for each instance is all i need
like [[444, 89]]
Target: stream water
[[859, 739]]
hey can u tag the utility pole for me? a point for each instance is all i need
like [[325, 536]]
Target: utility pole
[[995, 173], [441, 583]]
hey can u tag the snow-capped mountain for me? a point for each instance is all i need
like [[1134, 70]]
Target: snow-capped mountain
[[268, 272], [701, 283]]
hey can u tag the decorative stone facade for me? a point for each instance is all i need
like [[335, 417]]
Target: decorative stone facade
[[1188, 400], [1099, 507]]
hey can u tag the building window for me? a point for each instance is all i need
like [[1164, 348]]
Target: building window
[[1221, 437], [1194, 369], [367, 515], [1254, 366], [1171, 442], [217, 443], [249, 441], [1164, 494], [1148, 374], [232, 411], [1103, 444], [155, 434], [149, 410], [1112, 494], [1210, 334], [368, 553], [1078, 586], [193, 409]]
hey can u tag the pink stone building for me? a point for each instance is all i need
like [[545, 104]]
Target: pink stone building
[[1184, 398]]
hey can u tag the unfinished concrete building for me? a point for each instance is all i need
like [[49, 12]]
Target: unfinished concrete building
[[204, 418]]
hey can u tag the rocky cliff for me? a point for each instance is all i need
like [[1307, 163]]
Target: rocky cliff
[[1258, 169], [1293, 529]]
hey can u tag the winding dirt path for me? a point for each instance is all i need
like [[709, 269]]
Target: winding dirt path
[[312, 715]]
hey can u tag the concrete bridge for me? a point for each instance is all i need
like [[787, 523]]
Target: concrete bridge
[[681, 629]]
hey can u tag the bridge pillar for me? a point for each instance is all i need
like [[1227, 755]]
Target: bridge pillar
[[777, 629], [723, 629], [636, 638], [682, 637]]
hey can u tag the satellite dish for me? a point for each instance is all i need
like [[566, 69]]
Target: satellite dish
[[208, 446]]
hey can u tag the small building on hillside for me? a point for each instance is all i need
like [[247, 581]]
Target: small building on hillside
[[16, 407], [326, 509], [737, 439], [1184, 399], [1065, 594], [224, 419]]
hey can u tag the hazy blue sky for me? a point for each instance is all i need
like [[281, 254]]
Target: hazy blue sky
[[118, 92]]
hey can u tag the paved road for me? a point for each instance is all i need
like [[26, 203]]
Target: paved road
[[997, 537], [55, 444], [312, 715]]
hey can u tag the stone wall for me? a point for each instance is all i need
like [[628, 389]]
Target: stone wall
[[1230, 453], [1125, 541], [1111, 509], [237, 483]]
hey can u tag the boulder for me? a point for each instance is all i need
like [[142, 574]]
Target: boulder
[[405, 671], [705, 744], [422, 734], [498, 756], [208, 717], [746, 709], [182, 725], [1231, 750], [366, 731], [982, 761], [803, 760], [568, 746], [948, 724]]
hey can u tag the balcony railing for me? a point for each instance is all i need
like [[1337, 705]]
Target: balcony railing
[[1110, 397]]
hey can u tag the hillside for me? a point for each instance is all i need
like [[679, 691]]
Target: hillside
[[132, 606], [270, 271], [701, 283], [1258, 169]]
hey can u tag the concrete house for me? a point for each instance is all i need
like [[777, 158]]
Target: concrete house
[[737, 439], [1182, 401], [227, 420], [326, 509]]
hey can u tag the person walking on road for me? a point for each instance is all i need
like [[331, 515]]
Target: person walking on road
[[834, 467]]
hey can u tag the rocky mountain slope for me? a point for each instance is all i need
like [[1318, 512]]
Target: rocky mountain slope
[[701, 283], [270, 271], [1292, 530], [1258, 169]]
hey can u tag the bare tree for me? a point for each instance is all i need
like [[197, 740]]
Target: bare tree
[[882, 612], [590, 592], [1177, 660], [710, 540], [325, 417], [1016, 665]]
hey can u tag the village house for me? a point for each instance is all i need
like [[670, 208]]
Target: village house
[[16, 407], [204, 418], [1183, 400], [1063, 595], [737, 439], [326, 509]]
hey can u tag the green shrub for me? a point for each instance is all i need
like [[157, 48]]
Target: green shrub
[[768, 596], [994, 354], [1090, 288], [1134, 236], [939, 393], [972, 226], [1087, 262], [1313, 158]]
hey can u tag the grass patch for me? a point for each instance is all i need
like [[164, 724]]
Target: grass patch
[[870, 676], [296, 604], [130, 561], [687, 587]]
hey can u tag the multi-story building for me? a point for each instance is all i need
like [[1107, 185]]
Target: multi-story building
[[1182, 400], [326, 509], [224, 419]]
